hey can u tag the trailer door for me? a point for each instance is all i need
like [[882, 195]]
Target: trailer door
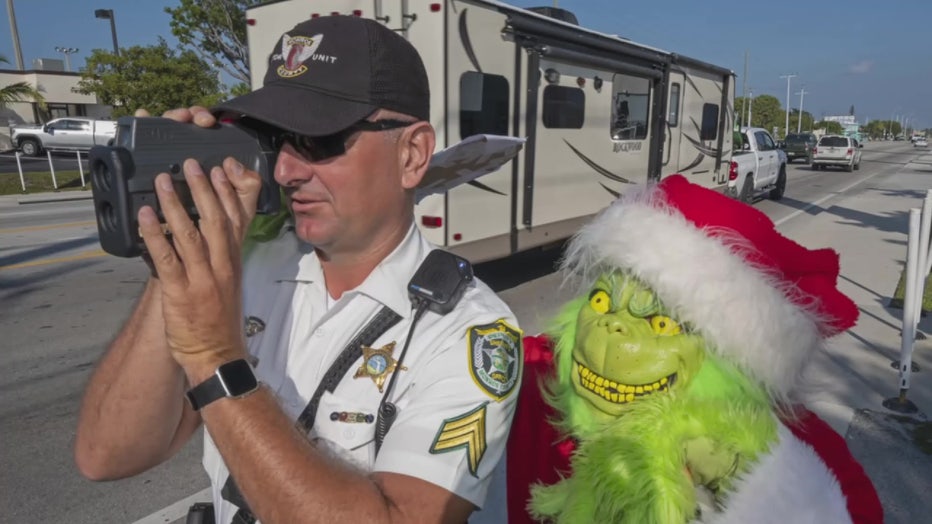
[[591, 142], [673, 127]]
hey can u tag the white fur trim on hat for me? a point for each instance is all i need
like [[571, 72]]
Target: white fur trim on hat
[[742, 310]]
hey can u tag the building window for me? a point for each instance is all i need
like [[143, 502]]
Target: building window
[[674, 113], [57, 110], [564, 107], [709, 129], [630, 107], [483, 104]]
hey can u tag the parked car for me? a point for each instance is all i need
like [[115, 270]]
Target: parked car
[[63, 134], [799, 145], [757, 165], [837, 151]]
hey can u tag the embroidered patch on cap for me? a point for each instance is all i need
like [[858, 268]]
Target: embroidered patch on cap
[[466, 431], [495, 357]]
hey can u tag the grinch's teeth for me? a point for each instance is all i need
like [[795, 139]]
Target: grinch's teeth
[[619, 393]]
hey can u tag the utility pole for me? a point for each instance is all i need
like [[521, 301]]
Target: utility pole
[[799, 121], [750, 103], [744, 88], [786, 127], [15, 34]]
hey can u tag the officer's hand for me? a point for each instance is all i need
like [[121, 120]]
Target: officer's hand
[[200, 265], [197, 114]]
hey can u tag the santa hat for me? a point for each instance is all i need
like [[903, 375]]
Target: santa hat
[[763, 301]]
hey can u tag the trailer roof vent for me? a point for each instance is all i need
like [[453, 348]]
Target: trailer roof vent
[[555, 12]]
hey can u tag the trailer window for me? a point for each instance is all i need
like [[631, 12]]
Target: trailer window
[[483, 104], [709, 130], [564, 107], [630, 107], [674, 114]]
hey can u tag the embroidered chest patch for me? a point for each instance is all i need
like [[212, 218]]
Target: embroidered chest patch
[[495, 357]]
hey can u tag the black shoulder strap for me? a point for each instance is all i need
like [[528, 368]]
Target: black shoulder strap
[[385, 319]]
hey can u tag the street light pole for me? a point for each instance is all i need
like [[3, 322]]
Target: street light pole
[[750, 104], [108, 13], [786, 127], [67, 52], [799, 121], [14, 32]]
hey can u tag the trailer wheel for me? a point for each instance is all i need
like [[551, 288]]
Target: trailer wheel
[[747, 190], [29, 147], [777, 192]]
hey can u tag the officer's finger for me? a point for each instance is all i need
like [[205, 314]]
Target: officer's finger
[[202, 117], [180, 114], [247, 184], [214, 226], [189, 244], [164, 259]]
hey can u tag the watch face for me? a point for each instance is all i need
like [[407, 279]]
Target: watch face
[[237, 377]]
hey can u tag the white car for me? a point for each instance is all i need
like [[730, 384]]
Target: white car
[[920, 142], [837, 151]]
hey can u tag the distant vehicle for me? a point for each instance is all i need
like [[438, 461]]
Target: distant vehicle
[[63, 134], [757, 165], [799, 145], [921, 142], [837, 151]]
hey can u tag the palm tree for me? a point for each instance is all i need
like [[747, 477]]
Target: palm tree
[[19, 92]]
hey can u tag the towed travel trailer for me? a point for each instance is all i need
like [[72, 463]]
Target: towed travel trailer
[[600, 113]]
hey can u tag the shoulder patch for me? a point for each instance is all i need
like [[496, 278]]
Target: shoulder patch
[[495, 358], [465, 431]]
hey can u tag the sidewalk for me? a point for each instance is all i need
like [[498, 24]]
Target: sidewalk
[[868, 227]]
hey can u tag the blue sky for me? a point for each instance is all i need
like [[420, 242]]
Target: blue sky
[[876, 56]]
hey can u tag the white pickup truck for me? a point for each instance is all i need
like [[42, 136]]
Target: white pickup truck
[[757, 165], [63, 134]]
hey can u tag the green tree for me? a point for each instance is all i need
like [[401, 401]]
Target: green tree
[[19, 92], [216, 31], [807, 123], [153, 77], [831, 128], [766, 112]]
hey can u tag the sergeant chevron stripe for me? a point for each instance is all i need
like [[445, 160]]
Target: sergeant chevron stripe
[[466, 431]]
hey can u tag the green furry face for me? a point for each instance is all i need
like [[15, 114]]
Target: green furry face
[[628, 346]]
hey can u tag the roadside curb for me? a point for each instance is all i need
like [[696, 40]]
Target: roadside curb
[[44, 198]]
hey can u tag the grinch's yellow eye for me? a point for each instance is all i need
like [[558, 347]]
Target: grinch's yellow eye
[[600, 302], [663, 325]]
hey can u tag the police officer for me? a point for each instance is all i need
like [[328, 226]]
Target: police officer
[[243, 344]]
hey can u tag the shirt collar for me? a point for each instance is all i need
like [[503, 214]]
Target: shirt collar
[[386, 284]]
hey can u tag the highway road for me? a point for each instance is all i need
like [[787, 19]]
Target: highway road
[[62, 300]]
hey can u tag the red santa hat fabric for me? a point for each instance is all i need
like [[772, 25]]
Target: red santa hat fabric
[[764, 301]]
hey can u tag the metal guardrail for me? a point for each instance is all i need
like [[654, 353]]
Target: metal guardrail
[[48, 153]]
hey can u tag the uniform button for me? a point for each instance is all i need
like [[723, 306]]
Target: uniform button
[[348, 433], [319, 333]]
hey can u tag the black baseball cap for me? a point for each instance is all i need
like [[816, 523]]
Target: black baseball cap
[[328, 73]]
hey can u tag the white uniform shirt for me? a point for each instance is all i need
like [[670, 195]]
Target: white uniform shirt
[[455, 399]]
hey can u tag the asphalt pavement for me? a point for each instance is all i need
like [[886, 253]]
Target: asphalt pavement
[[867, 224]]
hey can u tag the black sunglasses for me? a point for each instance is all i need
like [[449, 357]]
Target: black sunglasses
[[319, 148]]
